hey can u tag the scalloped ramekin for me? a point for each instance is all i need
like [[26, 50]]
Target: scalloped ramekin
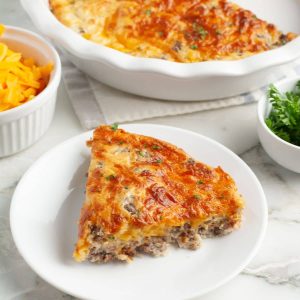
[[157, 78], [22, 126]]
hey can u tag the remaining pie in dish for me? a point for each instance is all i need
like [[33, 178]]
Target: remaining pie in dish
[[176, 30], [143, 194]]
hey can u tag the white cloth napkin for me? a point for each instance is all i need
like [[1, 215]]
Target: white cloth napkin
[[96, 103]]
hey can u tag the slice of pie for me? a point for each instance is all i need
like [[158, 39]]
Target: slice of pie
[[143, 194]]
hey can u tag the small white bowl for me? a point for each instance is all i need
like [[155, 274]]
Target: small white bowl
[[22, 126], [284, 153]]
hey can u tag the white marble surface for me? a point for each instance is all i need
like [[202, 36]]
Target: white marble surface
[[275, 271]]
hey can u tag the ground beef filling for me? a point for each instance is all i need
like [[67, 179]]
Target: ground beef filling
[[105, 248]]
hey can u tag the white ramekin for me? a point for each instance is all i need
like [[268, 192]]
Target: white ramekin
[[20, 127], [162, 79], [284, 153]]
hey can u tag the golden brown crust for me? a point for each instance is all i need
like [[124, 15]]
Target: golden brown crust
[[139, 186], [177, 30]]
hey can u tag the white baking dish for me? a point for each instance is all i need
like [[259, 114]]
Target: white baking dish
[[170, 80], [22, 126]]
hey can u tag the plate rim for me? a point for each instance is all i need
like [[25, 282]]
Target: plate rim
[[204, 291]]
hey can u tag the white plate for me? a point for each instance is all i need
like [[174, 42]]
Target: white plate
[[46, 205]]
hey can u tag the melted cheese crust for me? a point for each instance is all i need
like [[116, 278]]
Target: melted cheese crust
[[139, 187], [176, 30]]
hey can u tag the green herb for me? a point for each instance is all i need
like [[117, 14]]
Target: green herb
[[111, 237], [284, 118], [194, 47], [200, 30], [156, 147], [199, 182], [114, 126], [141, 153], [161, 218], [148, 12], [110, 177], [218, 32], [198, 197], [158, 160], [126, 187], [203, 33]]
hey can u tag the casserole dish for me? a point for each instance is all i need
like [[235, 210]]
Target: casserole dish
[[23, 125], [162, 79]]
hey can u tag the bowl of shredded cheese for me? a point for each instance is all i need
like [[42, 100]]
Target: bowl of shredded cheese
[[30, 72]]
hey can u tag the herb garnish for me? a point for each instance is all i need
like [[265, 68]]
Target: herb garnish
[[284, 118], [156, 147], [194, 47], [198, 197], [200, 30], [148, 12], [199, 182], [110, 177], [114, 126], [203, 33]]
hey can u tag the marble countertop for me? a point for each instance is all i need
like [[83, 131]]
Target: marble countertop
[[275, 271]]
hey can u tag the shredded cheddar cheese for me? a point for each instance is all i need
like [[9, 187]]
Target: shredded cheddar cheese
[[20, 78]]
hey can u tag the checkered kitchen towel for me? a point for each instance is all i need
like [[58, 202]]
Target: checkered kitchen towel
[[96, 103]]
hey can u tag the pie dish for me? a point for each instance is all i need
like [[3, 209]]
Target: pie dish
[[44, 227], [162, 79], [182, 31], [143, 194]]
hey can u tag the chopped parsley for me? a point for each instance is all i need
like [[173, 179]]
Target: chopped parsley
[[142, 153], [200, 30], [198, 197], [111, 237], [190, 161], [138, 214], [156, 147], [194, 47], [199, 182], [218, 32], [284, 118], [203, 33], [114, 126], [110, 177], [148, 12], [126, 187], [158, 160]]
